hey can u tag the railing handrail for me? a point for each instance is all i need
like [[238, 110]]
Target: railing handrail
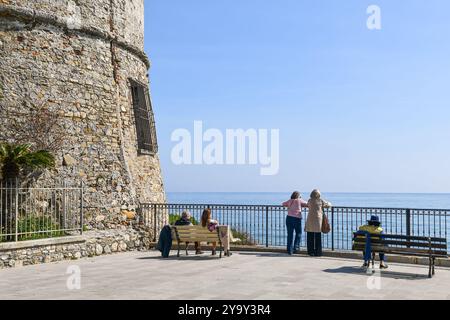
[[279, 206], [37, 188]]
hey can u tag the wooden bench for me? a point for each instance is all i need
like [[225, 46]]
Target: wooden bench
[[191, 234], [431, 248]]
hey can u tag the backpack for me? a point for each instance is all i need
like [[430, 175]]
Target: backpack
[[212, 227]]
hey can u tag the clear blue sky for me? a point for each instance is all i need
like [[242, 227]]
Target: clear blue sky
[[358, 110]]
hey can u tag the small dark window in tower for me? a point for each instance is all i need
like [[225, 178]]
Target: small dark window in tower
[[145, 120]]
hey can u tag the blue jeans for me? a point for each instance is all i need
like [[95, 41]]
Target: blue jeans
[[382, 257], [293, 224]]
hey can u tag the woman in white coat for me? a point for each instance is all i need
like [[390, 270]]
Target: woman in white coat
[[314, 223]]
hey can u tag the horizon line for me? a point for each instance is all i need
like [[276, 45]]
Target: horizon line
[[346, 192]]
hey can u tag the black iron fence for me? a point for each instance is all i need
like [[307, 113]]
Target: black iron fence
[[266, 225], [36, 213]]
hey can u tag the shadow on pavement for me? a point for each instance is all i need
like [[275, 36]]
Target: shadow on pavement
[[270, 254], [184, 257], [384, 273]]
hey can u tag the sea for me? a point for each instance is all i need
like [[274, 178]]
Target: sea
[[372, 200]]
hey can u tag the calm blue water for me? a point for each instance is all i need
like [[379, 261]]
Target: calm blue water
[[376, 200]]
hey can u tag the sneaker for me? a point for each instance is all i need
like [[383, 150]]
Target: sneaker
[[198, 252], [383, 265], [365, 265]]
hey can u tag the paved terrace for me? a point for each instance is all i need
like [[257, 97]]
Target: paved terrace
[[246, 275]]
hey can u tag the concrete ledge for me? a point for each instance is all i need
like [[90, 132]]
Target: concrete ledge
[[333, 254], [8, 246]]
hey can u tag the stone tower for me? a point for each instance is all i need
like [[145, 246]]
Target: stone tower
[[86, 57]]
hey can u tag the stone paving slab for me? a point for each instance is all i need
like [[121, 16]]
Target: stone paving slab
[[244, 276]]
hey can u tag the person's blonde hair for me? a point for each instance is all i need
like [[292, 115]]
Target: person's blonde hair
[[186, 215], [315, 194], [315, 203]]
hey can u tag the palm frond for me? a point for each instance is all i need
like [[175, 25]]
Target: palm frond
[[16, 158], [40, 159]]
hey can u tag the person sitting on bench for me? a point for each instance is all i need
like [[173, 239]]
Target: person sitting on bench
[[186, 221], [373, 227], [208, 222]]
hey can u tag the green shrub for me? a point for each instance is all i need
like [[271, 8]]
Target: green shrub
[[244, 237], [33, 227]]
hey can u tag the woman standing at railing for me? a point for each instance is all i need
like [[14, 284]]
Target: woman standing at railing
[[314, 223], [294, 222]]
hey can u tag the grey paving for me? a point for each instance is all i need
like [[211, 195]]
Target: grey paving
[[144, 275]]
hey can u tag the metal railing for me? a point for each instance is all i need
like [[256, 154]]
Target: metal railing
[[266, 225], [38, 213]]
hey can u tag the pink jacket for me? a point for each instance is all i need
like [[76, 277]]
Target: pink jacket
[[295, 207]]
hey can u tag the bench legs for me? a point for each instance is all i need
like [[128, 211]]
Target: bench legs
[[430, 273], [179, 248], [434, 263]]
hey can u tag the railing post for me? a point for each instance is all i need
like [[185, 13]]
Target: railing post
[[408, 222], [64, 205], [154, 223], [267, 226], [332, 228], [17, 211], [81, 207]]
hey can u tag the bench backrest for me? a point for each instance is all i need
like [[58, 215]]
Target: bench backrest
[[194, 234], [413, 244]]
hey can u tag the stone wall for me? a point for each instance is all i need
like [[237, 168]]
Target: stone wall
[[127, 15], [93, 243], [78, 57]]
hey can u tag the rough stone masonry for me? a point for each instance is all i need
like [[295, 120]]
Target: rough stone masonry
[[81, 57]]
